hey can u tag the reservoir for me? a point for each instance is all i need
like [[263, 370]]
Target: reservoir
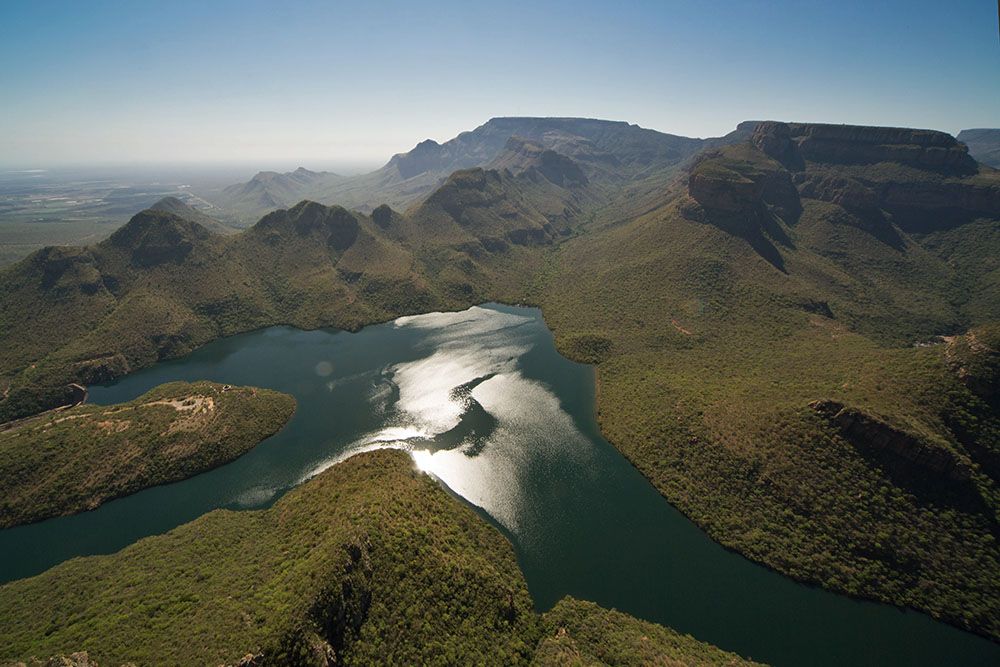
[[483, 402]]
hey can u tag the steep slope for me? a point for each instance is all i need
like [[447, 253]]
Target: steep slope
[[182, 210], [782, 276], [370, 562], [984, 145]]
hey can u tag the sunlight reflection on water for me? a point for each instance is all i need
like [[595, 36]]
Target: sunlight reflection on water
[[468, 417]]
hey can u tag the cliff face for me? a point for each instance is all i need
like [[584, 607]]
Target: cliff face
[[868, 432], [853, 144], [793, 143], [924, 180]]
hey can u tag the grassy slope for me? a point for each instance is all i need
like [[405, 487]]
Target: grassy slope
[[582, 633], [161, 285], [73, 460], [710, 356], [370, 562], [714, 331]]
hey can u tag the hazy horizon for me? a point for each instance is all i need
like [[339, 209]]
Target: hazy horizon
[[328, 87]]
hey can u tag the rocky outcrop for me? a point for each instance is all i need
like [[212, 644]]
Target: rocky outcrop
[[940, 197], [724, 190], [855, 144], [775, 140], [869, 433], [730, 186], [922, 207], [844, 191], [745, 199], [793, 143]]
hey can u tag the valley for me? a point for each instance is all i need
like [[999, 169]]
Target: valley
[[480, 402], [792, 328]]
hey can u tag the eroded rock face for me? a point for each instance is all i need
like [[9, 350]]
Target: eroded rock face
[[939, 198], [844, 191], [731, 193], [855, 144], [867, 432], [718, 187], [919, 207], [775, 140]]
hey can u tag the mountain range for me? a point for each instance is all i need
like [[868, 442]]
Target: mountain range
[[984, 145], [795, 326], [615, 151]]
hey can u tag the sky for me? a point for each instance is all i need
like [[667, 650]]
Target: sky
[[326, 84]]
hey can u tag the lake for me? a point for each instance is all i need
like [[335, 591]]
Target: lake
[[485, 404]]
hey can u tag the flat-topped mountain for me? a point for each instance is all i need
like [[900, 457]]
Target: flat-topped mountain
[[603, 149], [984, 145]]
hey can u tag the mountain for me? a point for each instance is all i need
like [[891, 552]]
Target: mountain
[[984, 145], [183, 210], [769, 313], [806, 266], [604, 149], [269, 190], [521, 155], [370, 562], [162, 284]]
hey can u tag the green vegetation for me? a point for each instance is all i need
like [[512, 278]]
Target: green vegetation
[[68, 461], [582, 633], [370, 562], [808, 263], [718, 348]]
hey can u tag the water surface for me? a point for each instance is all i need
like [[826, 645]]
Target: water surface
[[485, 404]]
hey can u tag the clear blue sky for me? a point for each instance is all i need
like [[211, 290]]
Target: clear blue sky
[[321, 83]]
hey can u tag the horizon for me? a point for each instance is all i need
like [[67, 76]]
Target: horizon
[[287, 164], [89, 82]]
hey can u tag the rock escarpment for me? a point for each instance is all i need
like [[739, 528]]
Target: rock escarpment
[[855, 144], [867, 432], [918, 180]]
